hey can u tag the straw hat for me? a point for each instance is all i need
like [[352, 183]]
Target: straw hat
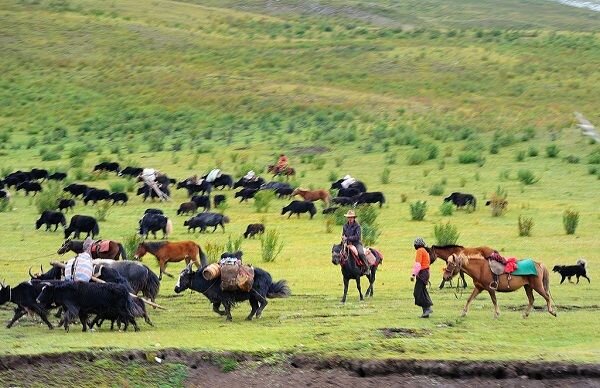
[[350, 214]]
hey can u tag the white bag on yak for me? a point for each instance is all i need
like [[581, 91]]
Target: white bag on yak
[[79, 268], [213, 174]]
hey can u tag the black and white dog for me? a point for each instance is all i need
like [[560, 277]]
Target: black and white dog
[[568, 271]]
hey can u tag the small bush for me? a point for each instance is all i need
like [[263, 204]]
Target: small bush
[[498, 202], [50, 155], [403, 198], [570, 221], [270, 245], [117, 187], [592, 170], [552, 151], [366, 214], [385, 176], [130, 185], [446, 209], [445, 234], [102, 210], [525, 226], [527, 177], [418, 210], [262, 200], [437, 189], [213, 251], [333, 176], [48, 198], [416, 158], [532, 152], [130, 244], [5, 205], [469, 157], [520, 156], [594, 157], [494, 148], [319, 163], [432, 151], [370, 233], [572, 159], [234, 245]]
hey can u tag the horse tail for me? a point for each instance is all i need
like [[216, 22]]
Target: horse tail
[[279, 289], [169, 227], [546, 279], [151, 286], [203, 259], [122, 252]]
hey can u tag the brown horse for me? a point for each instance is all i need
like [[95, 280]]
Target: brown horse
[[287, 171], [101, 249], [478, 268], [444, 251], [313, 195], [166, 252]]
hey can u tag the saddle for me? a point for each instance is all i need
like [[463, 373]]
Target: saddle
[[100, 246], [499, 266], [371, 258]]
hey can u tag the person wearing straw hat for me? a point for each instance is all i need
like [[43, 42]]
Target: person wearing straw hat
[[351, 234], [421, 274]]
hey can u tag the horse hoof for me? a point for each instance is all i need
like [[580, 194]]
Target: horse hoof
[[463, 314]]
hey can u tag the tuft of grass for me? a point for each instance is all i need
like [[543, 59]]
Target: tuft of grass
[[570, 221], [527, 177], [525, 226], [270, 245], [446, 234], [418, 210], [446, 209], [263, 200], [552, 151]]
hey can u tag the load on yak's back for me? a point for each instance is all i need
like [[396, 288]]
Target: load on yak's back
[[234, 274]]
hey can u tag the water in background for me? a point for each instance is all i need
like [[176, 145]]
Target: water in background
[[594, 5]]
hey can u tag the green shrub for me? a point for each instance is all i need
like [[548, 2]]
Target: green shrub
[[385, 176], [369, 234], [102, 210], [469, 157], [319, 163], [570, 221], [403, 198], [130, 185], [117, 187], [520, 156], [552, 151], [494, 148], [48, 198], [262, 200], [418, 210], [366, 214], [445, 234], [213, 251], [432, 151], [527, 177], [235, 244], [130, 244], [532, 152], [498, 202], [50, 155], [333, 176], [572, 159], [437, 189], [592, 170], [594, 157], [5, 205], [446, 209], [525, 226], [416, 158], [338, 215], [270, 245]]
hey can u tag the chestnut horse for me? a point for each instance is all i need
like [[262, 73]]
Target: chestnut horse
[[287, 171], [478, 268], [166, 252], [115, 249], [444, 251], [313, 195]]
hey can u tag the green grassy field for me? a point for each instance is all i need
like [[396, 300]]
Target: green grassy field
[[185, 87]]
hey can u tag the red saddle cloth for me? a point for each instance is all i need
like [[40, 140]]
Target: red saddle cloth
[[511, 265], [374, 257], [101, 246]]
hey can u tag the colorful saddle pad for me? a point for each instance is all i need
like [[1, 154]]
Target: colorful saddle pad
[[525, 267]]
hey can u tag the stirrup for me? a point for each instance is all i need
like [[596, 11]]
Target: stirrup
[[494, 285]]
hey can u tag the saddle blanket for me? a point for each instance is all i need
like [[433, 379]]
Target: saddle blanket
[[371, 258], [525, 267], [101, 246]]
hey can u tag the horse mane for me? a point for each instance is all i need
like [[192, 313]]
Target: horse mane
[[154, 246], [446, 246]]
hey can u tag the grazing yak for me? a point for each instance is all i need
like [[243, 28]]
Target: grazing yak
[[85, 224], [50, 218], [254, 229], [76, 189], [297, 207], [66, 204], [202, 201], [192, 188], [358, 185], [245, 194], [107, 166], [373, 197], [219, 199], [151, 223], [39, 173], [206, 219], [29, 186], [57, 176], [131, 171], [461, 200], [80, 299], [153, 211], [225, 180], [187, 207], [119, 197], [249, 184], [96, 195], [24, 296]]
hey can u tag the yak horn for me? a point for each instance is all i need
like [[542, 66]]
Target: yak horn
[[57, 264], [41, 268], [30, 274]]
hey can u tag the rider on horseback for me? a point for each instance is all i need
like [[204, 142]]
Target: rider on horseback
[[351, 236], [282, 163]]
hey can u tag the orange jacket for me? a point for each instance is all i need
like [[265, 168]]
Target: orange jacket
[[422, 257]]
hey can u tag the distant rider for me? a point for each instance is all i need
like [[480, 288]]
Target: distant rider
[[351, 235]]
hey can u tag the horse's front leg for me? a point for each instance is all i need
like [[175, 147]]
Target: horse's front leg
[[476, 291], [442, 284], [495, 302], [346, 280], [358, 288]]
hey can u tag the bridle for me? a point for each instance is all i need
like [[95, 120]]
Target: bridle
[[452, 268]]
